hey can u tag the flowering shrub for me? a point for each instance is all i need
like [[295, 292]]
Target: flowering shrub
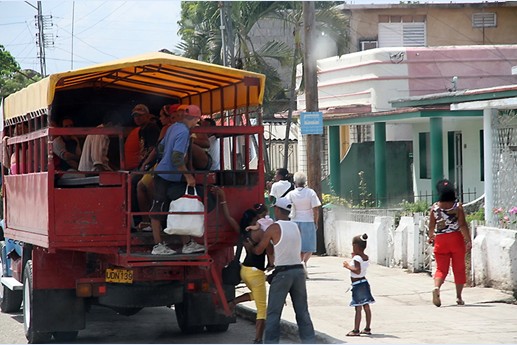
[[506, 218]]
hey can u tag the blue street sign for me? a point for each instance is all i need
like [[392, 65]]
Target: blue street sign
[[311, 122]]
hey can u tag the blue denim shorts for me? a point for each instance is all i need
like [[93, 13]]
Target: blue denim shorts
[[361, 293]]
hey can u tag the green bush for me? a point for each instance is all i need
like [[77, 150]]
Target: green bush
[[478, 215], [334, 200], [409, 208]]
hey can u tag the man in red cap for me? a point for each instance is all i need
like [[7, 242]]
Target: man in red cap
[[172, 151]]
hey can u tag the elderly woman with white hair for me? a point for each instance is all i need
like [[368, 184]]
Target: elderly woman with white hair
[[306, 213]]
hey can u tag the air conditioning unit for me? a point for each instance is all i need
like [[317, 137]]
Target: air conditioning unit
[[365, 45]]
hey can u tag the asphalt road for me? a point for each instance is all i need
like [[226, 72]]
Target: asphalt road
[[149, 326]]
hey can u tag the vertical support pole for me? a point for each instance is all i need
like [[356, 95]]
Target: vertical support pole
[[335, 160], [488, 116], [380, 163], [436, 153], [311, 101]]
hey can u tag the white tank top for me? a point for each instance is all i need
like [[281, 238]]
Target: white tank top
[[289, 247]]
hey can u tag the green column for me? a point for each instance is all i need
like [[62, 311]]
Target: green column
[[380, 163], [335, 159], [436, 124]]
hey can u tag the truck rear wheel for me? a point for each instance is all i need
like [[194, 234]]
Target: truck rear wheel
[[10, 301], [65, 337], [33, 337], [218, 328], [181, 310]]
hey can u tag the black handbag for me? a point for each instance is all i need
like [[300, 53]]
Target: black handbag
[[231, 273]]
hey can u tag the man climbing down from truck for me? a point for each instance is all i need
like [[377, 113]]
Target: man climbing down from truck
[[172, 151]]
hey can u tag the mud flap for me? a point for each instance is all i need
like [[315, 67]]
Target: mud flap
[[201, 311], [58, 311]]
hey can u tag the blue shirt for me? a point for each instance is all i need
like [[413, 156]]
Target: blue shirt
[[177, 138]]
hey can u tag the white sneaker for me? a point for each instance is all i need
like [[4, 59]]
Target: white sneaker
[[192, 247], [147, 229], [162, 249]]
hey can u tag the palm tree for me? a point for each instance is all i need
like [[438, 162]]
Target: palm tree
[[201, 39]]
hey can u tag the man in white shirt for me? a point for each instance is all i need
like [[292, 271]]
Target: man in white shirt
[[281, 186], [95, 150]]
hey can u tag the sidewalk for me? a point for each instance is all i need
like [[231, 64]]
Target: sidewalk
[[403, 312]]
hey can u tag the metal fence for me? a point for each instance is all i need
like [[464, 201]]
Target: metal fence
[[370, 201]]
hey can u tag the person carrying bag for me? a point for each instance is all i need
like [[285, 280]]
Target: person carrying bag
[[181, 223]]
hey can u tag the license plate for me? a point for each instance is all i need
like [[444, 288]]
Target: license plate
[[117, 275]]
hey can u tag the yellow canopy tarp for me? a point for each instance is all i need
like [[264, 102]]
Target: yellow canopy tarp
[[214, 88]]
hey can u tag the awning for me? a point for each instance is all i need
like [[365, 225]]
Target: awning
[[214, 88]]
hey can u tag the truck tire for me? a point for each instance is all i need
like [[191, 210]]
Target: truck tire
[[218, 328], [10, 301], [181, 310], [65, 337], [33, 337]]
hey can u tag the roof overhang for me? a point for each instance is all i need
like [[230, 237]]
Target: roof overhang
[[404, 115], [457, 97]]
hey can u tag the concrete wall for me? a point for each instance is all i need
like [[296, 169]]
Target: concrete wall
[[494, 258], [338, 235], [494, 252]]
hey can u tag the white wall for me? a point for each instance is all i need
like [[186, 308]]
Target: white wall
[[494, 251], [353, 78], [494, 258]]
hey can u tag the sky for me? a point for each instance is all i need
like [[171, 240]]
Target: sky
[[102, 30]]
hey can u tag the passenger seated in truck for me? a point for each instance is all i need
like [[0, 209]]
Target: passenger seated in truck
[[67, 149], [15, 168], [214, 151], [142, 139], [95, 149], [138, 146]]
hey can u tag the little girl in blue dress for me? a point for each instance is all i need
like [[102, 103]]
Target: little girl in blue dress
[[361, 293]]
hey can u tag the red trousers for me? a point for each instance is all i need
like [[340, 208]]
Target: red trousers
[[449, 247]]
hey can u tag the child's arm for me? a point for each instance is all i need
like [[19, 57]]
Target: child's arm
[[253, 227], [355, 269]]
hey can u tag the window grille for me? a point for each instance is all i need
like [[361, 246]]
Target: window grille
[[484, 20]]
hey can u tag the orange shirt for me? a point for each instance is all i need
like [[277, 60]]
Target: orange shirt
[[132, 149]]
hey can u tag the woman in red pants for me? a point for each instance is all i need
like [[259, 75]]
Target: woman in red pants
[[449, 232]]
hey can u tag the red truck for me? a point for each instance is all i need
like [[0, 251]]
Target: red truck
[[68, 240]]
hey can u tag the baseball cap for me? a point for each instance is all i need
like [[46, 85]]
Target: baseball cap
[[140, 109], [192, 110], [171, 108], [283, 203]]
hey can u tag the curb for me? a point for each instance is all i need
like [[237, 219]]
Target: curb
[[286, 327]]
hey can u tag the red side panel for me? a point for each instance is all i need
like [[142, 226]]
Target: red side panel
[[26, 198], [86, 215]]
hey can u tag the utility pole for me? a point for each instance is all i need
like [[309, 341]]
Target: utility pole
[[43, 40], [311, 101], [227, 38]]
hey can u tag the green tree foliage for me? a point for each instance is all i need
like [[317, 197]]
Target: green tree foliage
[[12, 78], [201, 38]]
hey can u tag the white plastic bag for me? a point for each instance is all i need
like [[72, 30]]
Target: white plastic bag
[[186, 224]]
